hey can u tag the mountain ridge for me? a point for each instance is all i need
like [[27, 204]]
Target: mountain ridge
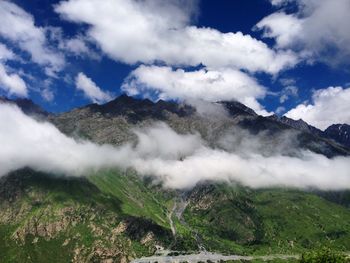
[[136, 110]]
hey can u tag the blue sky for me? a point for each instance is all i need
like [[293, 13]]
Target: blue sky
[[176, 49]]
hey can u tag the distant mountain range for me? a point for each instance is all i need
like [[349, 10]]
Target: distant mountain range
[[138, 109]]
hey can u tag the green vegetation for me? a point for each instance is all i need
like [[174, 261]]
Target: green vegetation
[[136, 198], [118, 216], [45, 217], [270, 221], [324, 255]]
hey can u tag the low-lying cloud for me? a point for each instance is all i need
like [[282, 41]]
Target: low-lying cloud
[[176, 160], [192, 86]]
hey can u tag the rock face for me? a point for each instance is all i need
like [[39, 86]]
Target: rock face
[[339, 133], [298, 125], [113, 122]]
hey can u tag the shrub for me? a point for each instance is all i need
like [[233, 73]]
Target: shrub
[[324, 255]]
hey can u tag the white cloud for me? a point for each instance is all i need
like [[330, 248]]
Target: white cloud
[[319, 30], [77, 45], [287, 92], [287, 81], [255, 170], [207, 85], [279, 110], [5, 53], [179, 161], [280, 2], [41, 146], [12, 84], [285, 28], [18, 27], [90, 89], [329, 106], [47, 94], [147, 31]]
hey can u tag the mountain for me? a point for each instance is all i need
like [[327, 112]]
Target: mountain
[[117, 216], [236, 108], [298, 125], [113, 122], [27, 106], [339, 133]]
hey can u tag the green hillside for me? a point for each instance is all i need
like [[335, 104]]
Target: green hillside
[[44, 217], [117, 216], [267, 221]]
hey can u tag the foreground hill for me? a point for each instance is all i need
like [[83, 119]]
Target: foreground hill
[[118, 217]]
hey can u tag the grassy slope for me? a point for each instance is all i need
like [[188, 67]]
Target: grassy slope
[[33, 200], [228, 219], [136, 198], [269, 221]]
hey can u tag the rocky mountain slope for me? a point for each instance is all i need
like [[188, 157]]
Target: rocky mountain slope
[[112, 123], [114, 216], [339, 133]]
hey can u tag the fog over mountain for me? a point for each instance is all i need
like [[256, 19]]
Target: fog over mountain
[[176, 160]]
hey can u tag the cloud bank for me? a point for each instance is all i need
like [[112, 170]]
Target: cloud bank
[[155, 30], [178, 161], [329, 106]]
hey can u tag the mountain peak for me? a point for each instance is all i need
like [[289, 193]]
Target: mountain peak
[[236, 108], [138, 109]]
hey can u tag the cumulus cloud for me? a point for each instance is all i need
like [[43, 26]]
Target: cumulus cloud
[[148, 31], [90, 89], [10, 83], [207, 85], [285, 28], [329, 106], [178, 161], [319, 30], [18, 27]]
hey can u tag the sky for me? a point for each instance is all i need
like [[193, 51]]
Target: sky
[[276, 56]]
